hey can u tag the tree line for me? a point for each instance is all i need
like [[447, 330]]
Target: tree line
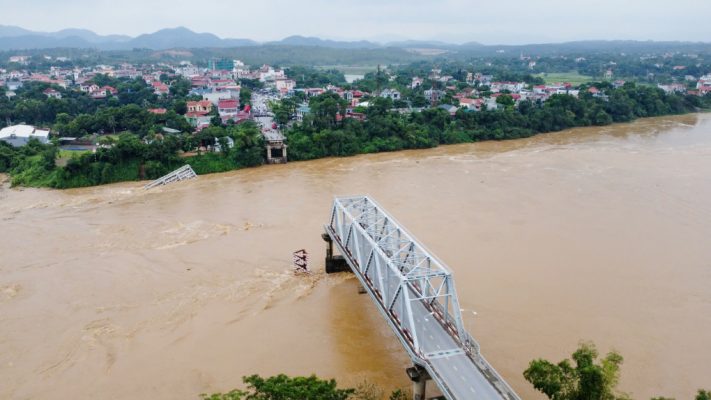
[[326, 131]]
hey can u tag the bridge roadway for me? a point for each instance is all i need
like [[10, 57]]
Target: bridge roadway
[[433, 335]]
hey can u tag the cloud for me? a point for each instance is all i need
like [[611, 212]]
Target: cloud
[[512, 21]]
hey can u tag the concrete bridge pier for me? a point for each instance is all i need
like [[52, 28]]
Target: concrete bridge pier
[[419, 378], [334, 263]]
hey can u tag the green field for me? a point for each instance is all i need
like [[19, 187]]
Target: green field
[[63, 156], [570, 77], [351, 69], [70, 153]]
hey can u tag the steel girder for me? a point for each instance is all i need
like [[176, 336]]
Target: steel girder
[[398, 268]]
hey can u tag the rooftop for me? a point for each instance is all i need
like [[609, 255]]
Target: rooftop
[[24, 131]]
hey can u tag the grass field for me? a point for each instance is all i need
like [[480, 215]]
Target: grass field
[[65, 155], [351, 69], [570, 77]]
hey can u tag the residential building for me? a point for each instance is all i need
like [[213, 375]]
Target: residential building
[[20, 135], [452, 110], [160, 88], [513, 87], [216, 97], [103, 92], [433, 95], [285, 85], [19, 59], [391, 94], [471, 104], [13, 85], [203, 106], [198, 120], [52, 94], [228, 107], [673, 88]]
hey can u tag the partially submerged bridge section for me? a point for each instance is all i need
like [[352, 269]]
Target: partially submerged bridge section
[[415, 293], [180, 174]]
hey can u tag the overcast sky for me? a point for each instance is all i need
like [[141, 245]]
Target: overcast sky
[[489, 22]]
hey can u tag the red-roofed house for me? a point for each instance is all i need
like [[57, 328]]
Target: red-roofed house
[[228, 107], [238, 117], [199, 82], [52, 94], [160, 88], [471, 104], [104, 92], [157, 111]]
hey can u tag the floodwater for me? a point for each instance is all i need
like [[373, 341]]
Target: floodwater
[[599, 234]]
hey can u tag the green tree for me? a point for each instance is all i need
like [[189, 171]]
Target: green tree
[[245, 96], [398, 394], [282, 387], [586, 380], [505, 100]]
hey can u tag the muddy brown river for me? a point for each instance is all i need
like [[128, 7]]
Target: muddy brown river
[[600, 234]]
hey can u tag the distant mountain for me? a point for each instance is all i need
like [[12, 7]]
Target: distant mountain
[[13, 31], [12, 37], [317, 42], [17, 38], [42, 42], [184, 38], [89, 36]]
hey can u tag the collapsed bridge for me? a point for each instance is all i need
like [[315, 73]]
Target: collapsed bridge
[[415, 293]]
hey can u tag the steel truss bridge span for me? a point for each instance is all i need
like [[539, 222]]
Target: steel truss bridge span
[[415, 293]]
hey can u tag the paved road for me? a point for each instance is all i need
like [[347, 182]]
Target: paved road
[[260, 106], [458, 371]]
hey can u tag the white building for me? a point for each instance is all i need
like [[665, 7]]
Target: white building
[[285, 85], [20, 135], [215, 97], [391, 94]]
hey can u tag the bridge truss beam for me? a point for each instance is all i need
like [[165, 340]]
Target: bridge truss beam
[[410, 286]]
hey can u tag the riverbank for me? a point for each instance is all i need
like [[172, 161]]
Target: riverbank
[[322, 134], [204, 164]]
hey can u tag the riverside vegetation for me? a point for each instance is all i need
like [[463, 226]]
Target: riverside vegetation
[[582, 379]]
